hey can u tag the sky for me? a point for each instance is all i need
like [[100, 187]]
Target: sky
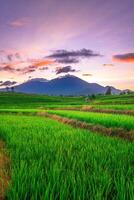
[[91, 39]]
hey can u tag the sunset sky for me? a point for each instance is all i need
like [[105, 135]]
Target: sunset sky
[[91, 39]]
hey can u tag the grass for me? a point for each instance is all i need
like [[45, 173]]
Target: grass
[[107, 120], [32, 101], [112, 132], [54, 161], [19, 110], [115, 107], [114, 99]]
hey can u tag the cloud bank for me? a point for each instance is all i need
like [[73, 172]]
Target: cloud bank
[[17, 63], [128, 58], [74, 56]]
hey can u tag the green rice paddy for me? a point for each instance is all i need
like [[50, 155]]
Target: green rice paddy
[[107, 120], [50, 160], [53, 161]]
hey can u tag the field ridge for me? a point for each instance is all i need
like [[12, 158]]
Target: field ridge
[[114, 132]]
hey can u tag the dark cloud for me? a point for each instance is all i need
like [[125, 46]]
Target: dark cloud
[[66, 69], [67, 60], [128, 58], [12, 63], [31, 69], [8, 83], [27, 70], [86, 74], [108, 65], [43, 68], [7, 68], [65, 56], [10, 57], [24, 70]]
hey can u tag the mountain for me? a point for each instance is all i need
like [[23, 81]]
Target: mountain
[[37, 79], [113, 89], [65, 85], [127, 91]]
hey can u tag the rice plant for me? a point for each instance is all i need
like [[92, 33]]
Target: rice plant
[[50, 160], [108, 120]]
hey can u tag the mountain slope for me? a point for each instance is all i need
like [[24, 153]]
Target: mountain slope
[[66, 85]]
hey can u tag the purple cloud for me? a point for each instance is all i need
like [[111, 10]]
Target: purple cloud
[[66, 69], [74, 56]]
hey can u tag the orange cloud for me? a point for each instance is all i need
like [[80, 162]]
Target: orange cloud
[[14, 63], [126, 58], [43, 63]]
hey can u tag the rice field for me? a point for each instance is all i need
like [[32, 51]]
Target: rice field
[[107, 120], [115, 107], [50, 160], [114, 99], [32, 101], [44, 159]]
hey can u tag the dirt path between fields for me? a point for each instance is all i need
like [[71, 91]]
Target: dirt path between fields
[[114, 132], [4, 170]]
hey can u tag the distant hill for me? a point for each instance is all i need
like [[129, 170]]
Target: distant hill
[[65, 85]]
